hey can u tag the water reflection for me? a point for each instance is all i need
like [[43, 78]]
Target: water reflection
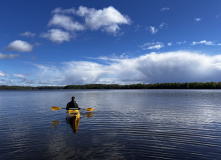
[[90, 114], [74, 122], [55, 123]]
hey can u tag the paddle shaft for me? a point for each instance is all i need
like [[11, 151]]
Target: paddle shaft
[[78, 108], [70, 108], [55, 108], [74, 108]]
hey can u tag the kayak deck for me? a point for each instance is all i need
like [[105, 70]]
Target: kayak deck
[[71, 113]]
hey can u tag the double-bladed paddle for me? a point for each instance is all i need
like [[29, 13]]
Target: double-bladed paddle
[[55, 108]]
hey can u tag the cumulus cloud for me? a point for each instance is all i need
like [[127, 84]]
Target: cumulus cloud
[[107, 19], [65, 22], [20, 46], [75, 20], [8, 56], [57, 35], [208, 43], [27, 34], [180, 66], [88, 72]]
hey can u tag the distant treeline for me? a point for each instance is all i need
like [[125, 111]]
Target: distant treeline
[[193, 85], [4, 87]]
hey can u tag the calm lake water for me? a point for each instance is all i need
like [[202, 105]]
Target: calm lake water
[[125, 124]]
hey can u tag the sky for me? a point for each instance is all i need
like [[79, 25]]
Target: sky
[[68, 42]]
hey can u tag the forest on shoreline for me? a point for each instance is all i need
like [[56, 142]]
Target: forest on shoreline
[[192, 85]]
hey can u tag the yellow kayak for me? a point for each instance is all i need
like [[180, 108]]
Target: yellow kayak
[[73, 118]]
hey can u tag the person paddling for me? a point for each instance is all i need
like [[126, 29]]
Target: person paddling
[[72, 104]]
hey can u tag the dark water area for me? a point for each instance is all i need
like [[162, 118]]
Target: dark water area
[[125, 124]]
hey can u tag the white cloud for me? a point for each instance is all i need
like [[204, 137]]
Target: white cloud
[[20, 46], [88, 72], [180, 66], [180, 43], [112, 29], [204, 42], [15, 79], [64, 11], [65, 22], [169, 44], [2, 74], [19, 75], [8, 56], [163, 25], [165, 9], [198, 19], [57, 35], [153, 30], [27, 34], [157, 46], [153, 45], [107, 19]]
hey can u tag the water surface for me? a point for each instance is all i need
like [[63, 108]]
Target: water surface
[[125, 124]]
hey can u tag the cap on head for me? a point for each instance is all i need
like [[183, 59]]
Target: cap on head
[[73, 97]]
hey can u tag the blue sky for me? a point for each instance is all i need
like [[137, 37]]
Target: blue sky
[[63, 42]]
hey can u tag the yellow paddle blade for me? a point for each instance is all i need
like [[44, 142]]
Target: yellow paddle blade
[[55, 108], [89, 109]]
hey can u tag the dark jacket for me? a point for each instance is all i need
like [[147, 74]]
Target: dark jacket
[[72, 104]]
